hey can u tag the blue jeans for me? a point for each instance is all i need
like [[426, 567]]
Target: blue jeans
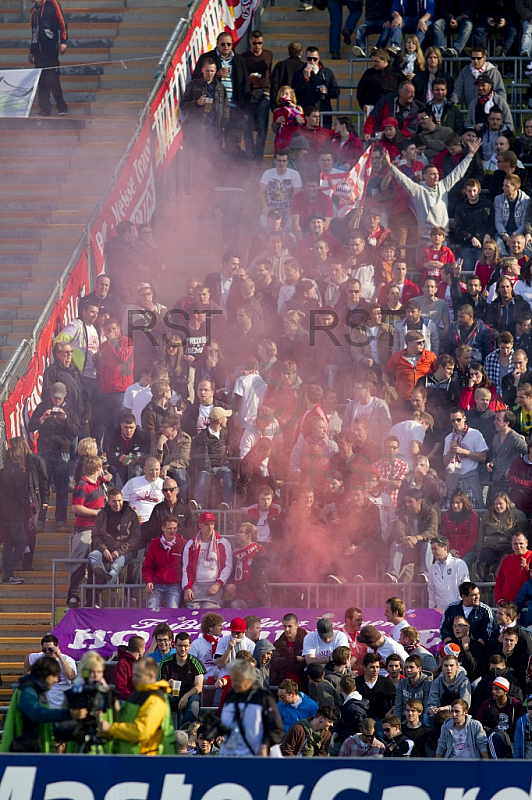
[[117, 565], [462, 34], [258, 114], [483, 30], [57, 468], [168, 595], [470, 255], [190, 714], [335, 10], [409, 26], [203, 484], [14, 546], [372, 26], [526, 39]]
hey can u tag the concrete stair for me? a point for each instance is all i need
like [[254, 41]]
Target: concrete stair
[[53, 171]]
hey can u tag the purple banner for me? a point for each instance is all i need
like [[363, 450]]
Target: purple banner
[[104, 630]]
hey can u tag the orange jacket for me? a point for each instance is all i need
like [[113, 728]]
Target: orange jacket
[[406, 375]]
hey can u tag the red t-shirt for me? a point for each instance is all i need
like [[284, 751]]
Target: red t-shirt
[[304, 208]]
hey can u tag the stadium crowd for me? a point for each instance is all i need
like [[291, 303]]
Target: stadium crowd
[[350, 397]]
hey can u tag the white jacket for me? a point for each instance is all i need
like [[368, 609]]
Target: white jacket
[[443, 589]]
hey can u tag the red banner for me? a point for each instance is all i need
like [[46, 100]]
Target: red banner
[[132, 199], [26, 395]]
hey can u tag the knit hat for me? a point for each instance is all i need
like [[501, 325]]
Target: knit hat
[[502, 683], [390, 122], [325, 627], [369, 635], [450, 649], [206, 516], [299, 143]]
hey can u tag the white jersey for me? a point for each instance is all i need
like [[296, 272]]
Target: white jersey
[[313, 644], [444, 580], [143, 495], [203, 650], [56, 694], [242, 644]]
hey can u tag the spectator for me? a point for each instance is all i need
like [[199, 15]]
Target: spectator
[[127, 656], [293, 705], [464, 89], [143, 493], [287, 658], [414, 687], [416, 526], [207, 565], [522, 733], [451, 684], [210, 457], [162, 567], [315, 85], [62, 370], [399, 105], [497, 525], [185, 675], [457, 19], [232, 74], [162, 642], [259, 65], [397, 744], [446, 574], [459, 526], [464, 449], [115, 538], [507, 445], [284, 70], [126, 447], [248, 584], [172, 505], [55, 695], [312, 736], [279, 186], [462, 736], [372, 686], [364, 743], [410, 364], [479, 618], [49, 35]]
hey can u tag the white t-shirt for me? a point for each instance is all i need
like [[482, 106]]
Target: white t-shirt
[[202, 649], [143, 495], [280, 188], [389, 647], [252, 389], [366, 275], [263, 527], [131, 392], [203, 417], [140, 401], [473, 441], [314, 646], [396, 630], [407, 432], [461, 748], [208, 569], [242, 644], [93, 345], [55, 695]]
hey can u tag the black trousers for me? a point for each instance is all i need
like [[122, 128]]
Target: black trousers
[[49, 82]]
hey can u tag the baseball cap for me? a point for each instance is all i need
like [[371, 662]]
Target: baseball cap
[[325, 627], [317, 215], [220, 413], [144, 285], [206, 516], [502, 683], [369, 635], [237, 625], [58, 390], [484, 79]]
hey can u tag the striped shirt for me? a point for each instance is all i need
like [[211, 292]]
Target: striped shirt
[[90, 495]]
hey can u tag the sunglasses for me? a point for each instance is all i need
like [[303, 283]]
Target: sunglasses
[[313, 58], [48, 650], [172, 489]]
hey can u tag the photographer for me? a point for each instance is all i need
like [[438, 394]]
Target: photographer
[[90, 691], [67, 666], [28, 726], [144, 723]]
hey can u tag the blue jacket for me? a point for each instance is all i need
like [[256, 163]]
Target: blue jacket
[[292, 714], [519, 737], [524, 596], [424, 7]]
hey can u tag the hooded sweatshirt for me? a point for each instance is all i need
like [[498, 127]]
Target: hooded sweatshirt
[[262, 647], [442, 693]]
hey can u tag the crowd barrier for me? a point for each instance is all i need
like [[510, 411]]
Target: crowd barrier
[[131, 195], [29, 777]]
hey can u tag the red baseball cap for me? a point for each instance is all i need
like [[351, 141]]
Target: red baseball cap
[[206, 516], [238, 625]]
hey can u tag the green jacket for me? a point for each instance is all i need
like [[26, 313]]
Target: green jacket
[[22, 734], [138, 709]]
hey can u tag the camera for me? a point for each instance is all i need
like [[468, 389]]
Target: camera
[[96, 699], [214, 727]]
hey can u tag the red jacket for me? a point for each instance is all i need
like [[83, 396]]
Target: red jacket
[[462, 537], [124, 673], [406, 376], [511, 577], [349, 153], [115, 367], [162, 566], [410, 290], [467, 398]]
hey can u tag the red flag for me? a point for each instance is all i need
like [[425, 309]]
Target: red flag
[[352, 186]]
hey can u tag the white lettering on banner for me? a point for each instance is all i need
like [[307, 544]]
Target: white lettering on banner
[[129, 790], [227, 791], [339, 780], [17, 783], [84, 635], [405, 793], [452, 793], [174, 786], [68, 790], [512, 793], [284, 793], [119, 636]]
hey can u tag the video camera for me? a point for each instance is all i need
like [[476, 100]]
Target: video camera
[[96, 699]]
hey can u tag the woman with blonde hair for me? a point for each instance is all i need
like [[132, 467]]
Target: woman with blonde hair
[[86, 447], [180, 372], [497, 526], [412, 59], [427, 74], [287, 118]]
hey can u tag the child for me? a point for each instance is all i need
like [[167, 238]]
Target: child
[[286, 118], [437, 252], [374, 233], [485, 266], [414, 728], [412, 59], [385, 256]]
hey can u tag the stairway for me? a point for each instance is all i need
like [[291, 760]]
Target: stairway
[[53, 171]]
